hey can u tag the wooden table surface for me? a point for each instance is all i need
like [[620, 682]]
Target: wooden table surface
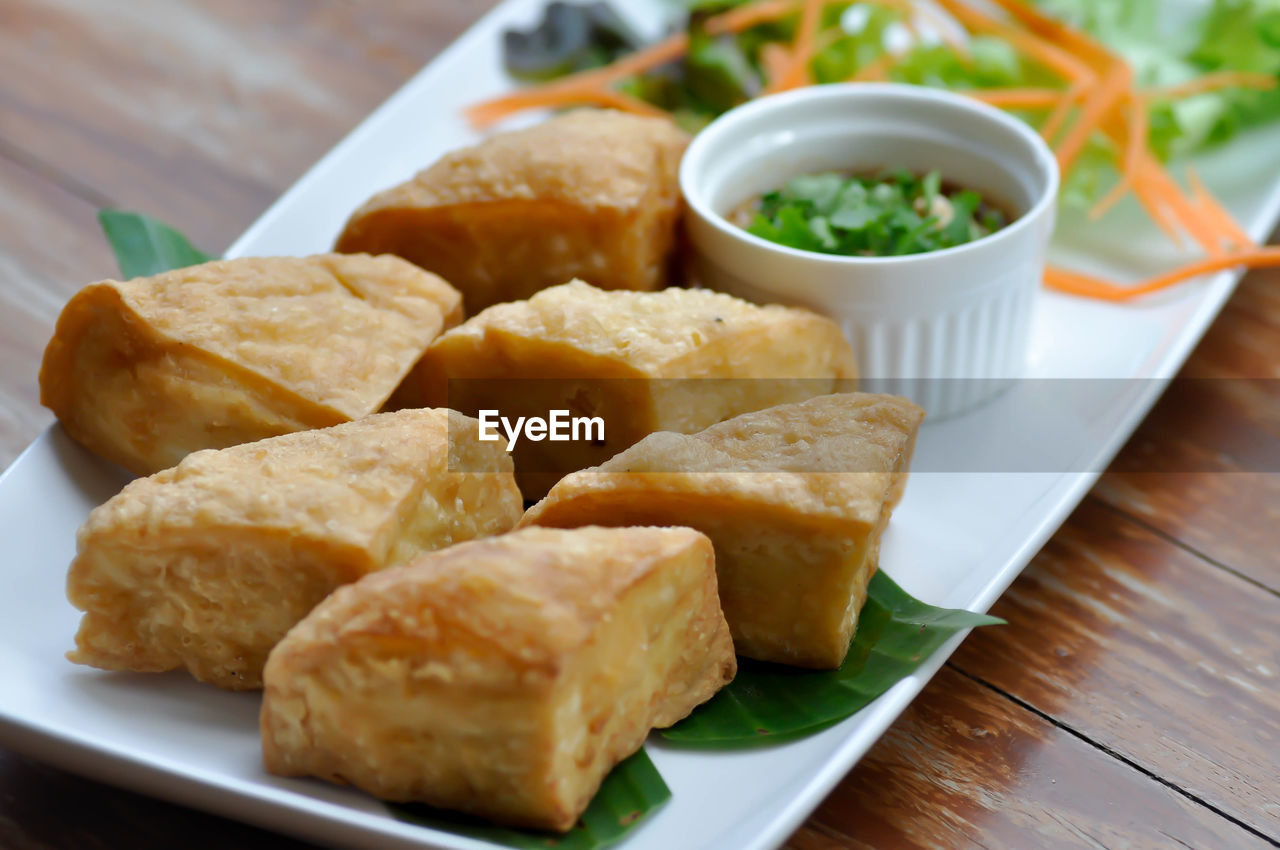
[[1133, 699]]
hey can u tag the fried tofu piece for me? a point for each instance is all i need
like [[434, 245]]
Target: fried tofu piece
[[627, 357], [206, 565], [503, 677], [590, 194], [795, 499], [145, 371]]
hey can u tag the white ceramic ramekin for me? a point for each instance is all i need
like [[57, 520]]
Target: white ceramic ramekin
[[948, 328]]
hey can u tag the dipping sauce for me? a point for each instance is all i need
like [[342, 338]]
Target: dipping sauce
[[885, 214]]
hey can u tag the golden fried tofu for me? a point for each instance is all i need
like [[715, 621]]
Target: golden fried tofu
[[145, 371], [503, 677], [794, 498], [206, 565], [626, 358], [590, 194]]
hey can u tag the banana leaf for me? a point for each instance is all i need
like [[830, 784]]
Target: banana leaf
[[144, 246], [628, 794], [768, 703]]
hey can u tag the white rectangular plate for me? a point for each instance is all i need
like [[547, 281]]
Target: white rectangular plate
[[958, 539]]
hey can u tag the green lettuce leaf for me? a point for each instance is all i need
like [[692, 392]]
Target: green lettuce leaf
[[993, 64], [1165, 49], [1238, 36]]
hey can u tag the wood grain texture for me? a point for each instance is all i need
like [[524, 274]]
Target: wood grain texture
[[198, 112], [1202, 469], [963, 767], [42, 807], [49, 247], [1153, 653], [202, 112]]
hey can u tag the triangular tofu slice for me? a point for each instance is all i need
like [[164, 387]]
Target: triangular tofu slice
[[675, 360], [591, 193], [145, 371], [206, 565], [503, 677], [794, 498]]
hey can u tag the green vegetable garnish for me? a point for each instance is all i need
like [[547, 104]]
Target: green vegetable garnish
[[888, 215], [767, 703], [630, 793], [144, 246], [1164, 43]]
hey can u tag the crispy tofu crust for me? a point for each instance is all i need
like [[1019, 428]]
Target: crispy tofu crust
[[590, 194], [795, 499], [145, 371], [503, 677], [205, 566], [626, 357]]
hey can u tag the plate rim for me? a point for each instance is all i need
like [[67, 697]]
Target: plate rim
[[283, 810]]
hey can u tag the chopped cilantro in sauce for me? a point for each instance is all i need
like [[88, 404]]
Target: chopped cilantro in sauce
[[888, 214]]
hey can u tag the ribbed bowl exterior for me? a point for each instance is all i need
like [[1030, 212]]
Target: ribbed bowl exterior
[[948, 329], [951, 360], [947, 358]]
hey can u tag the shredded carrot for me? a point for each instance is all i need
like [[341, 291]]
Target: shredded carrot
[[942, 26], [1056, 31], [943, 29], [775, 60], [875, 70], [1216, 214], [1204, 232], [584, 96], [624, 103], [1140, 171], [1169, 206], [1159, 213], [1212, 82], [1110, 199], [1058, 117], [750, 15], [802, 54], [1154, 201], [1018, 98], [1136, 133], [1128, 169], [912, 29], [1139, 137], [581, 87], [1074, 283], [1115, 83], [826, 39], [1047, 54], [1081, 76], [645, 59], [1079, 284]]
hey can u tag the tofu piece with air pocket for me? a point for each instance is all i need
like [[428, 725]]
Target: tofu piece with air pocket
[[146, 371], [795, 499], [206, 565], [503, 677]]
